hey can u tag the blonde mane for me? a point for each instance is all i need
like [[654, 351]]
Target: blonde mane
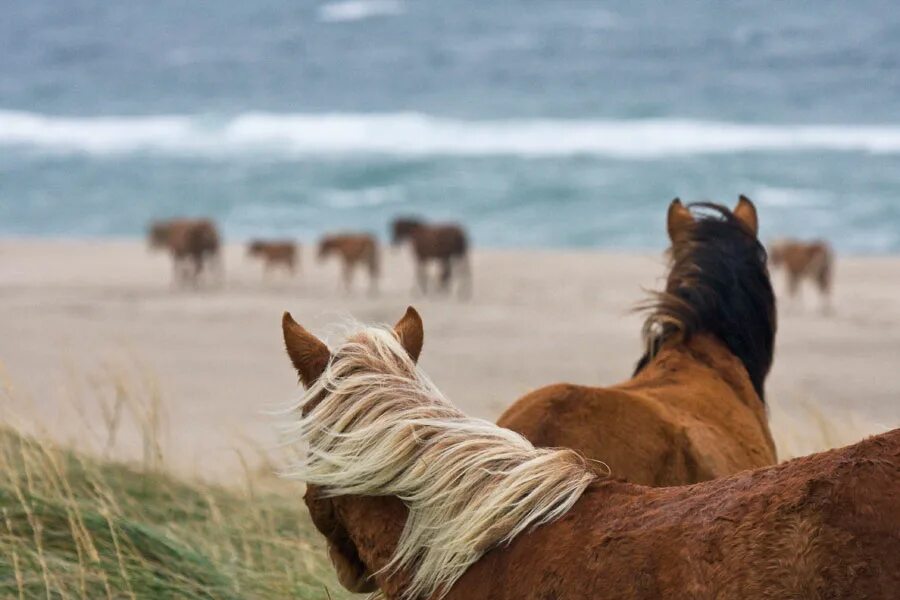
[[379, 427]]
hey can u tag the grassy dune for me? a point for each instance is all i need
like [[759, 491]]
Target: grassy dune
[[76, 527]]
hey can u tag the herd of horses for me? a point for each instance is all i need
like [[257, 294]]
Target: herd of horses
[[195, 246], [664, 486]]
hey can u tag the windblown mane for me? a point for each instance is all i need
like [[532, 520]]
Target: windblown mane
[[718, 284], [378, 426]]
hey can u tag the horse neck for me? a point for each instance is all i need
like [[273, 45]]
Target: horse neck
[[374, 524], [695, 359]]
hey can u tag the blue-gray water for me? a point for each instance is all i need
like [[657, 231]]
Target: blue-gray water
[[537, 123]]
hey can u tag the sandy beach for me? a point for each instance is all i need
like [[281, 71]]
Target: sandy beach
[[85, 322]]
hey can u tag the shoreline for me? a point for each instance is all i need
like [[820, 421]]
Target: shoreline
[[82, 317]]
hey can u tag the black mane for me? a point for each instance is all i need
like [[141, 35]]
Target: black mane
[[718, 284]]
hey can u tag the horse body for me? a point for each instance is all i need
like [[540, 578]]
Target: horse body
[[805, 260], [274, 253], [694, 409], [823, 526], [818, 527], [354, 250], [690, 416], [444, 243], [194, 245]]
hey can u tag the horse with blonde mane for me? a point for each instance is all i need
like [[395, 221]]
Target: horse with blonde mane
[[694, 409], [419, 501]]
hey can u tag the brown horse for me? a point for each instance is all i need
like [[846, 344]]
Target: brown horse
[[194, 245], [444, 243], [694, 409], [355, 249], [419, 501], [275, 253], [805, 260]]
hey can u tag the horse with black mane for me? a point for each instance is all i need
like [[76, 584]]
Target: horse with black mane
[[444, 243], [419, 501], [694, 409]]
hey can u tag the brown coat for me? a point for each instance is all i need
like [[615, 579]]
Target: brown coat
[[275, 253], [690, 416], [694, 410], [194, 245], [354, 249], [819, 527]]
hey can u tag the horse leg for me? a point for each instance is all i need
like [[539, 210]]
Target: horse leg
[[464, 276], [373, 279], [422, 276], [445, 275], [348, 276]]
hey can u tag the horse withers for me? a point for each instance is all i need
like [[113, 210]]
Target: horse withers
[[419, 501], [443, 243], [694, 409], [194, 245]]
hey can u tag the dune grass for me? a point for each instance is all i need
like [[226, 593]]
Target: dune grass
[[78, 527]]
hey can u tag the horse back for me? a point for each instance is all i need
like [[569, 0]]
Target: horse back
[[628, 432]]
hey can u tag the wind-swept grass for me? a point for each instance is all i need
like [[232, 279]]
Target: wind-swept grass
[[77, 527]]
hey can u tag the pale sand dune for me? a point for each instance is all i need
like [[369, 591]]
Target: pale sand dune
[[74, 315]]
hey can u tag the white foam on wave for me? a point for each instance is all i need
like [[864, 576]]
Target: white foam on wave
[[357, 10], [411, 134]]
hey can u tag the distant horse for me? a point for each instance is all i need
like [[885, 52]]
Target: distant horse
[[419, 501], [444, 243], [694, 409], [805, 260], [355, 249], [194, 245], [275, 253]]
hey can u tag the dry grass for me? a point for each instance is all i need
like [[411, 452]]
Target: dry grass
[[74, 527], [74, 524]]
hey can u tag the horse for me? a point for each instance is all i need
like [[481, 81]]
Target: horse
[[275, 253], [417, 500], [445, 243], [805, 260], [194, 245], [354, 249], [694, 408]]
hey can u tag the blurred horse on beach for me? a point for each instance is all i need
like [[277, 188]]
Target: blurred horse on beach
[[274, 254], [355, 250], [443, 243], [194, 244], [812, 260]]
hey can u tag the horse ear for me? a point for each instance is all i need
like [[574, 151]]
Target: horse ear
[[308, 354], [678, 220], [410, 332], [745, 211]]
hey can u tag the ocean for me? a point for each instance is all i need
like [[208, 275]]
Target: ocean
[[544, 123]]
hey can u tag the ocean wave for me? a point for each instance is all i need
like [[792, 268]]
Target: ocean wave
[[357, 10], [410, 134]]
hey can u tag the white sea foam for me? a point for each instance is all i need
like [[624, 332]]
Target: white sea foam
[[293, 135], [357, 10]]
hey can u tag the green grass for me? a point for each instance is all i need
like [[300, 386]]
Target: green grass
[[78, 527]]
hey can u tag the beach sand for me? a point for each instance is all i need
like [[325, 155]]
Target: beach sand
[[84, 323]]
